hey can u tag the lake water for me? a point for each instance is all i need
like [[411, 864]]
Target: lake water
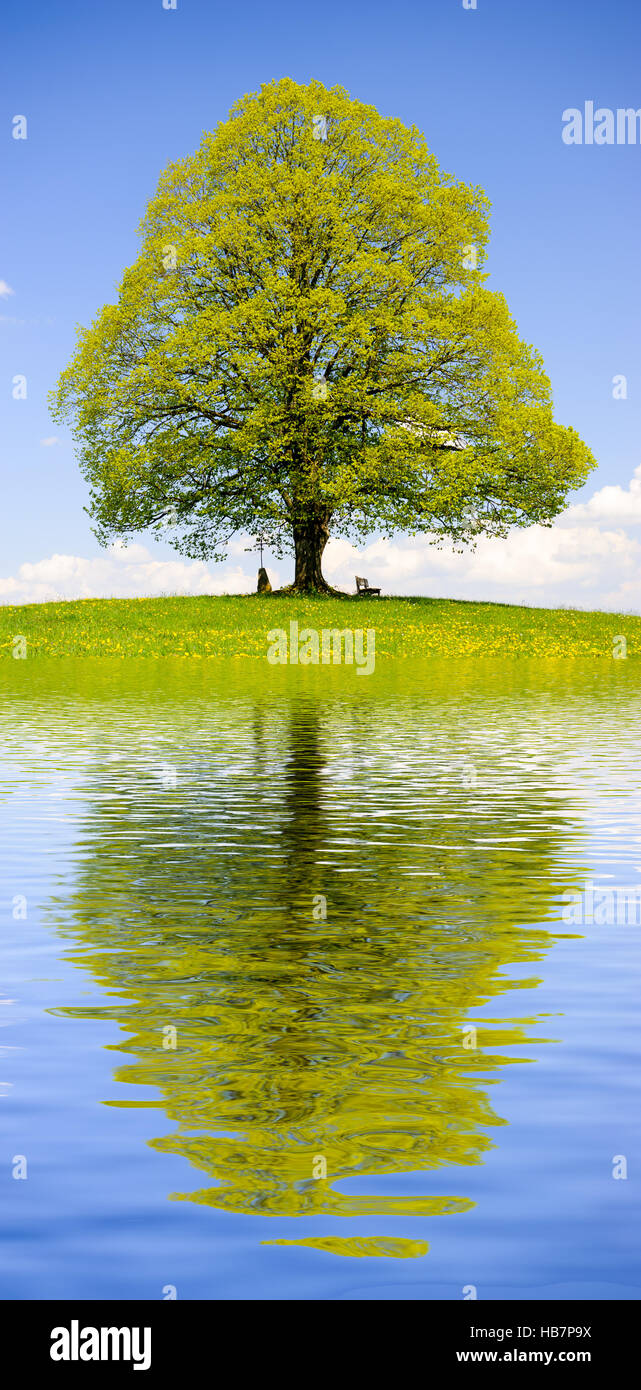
[[318, 986]]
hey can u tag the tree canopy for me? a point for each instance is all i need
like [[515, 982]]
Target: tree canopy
[[306, 346]]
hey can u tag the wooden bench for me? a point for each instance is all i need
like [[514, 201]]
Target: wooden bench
[[362, 587]]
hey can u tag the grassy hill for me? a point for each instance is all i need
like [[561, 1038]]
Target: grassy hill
[[237, 626]]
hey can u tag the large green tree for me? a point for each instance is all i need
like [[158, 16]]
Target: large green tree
[[305, 345]]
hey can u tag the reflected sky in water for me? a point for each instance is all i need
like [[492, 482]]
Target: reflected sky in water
[[294, 1010]]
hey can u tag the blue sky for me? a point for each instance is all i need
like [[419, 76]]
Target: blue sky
[[112, 92]]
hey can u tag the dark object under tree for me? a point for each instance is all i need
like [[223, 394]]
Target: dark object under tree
[[363, 589]]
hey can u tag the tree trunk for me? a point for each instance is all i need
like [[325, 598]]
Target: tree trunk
[[310, 538]]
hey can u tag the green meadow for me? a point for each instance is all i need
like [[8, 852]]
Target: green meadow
[[236, 627]]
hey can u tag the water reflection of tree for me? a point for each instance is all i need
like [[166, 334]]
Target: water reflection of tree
[[299, 1036]]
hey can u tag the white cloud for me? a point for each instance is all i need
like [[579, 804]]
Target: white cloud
[[32, 323], [49, 441], [611, 504], [122, 572], [5, 289], [547, 566]]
